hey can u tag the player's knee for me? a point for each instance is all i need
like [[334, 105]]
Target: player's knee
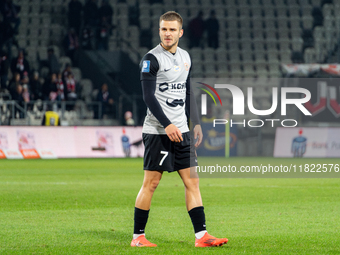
[[193, 183], [152, 185]]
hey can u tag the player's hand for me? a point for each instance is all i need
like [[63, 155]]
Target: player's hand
[[174, 134], [198, 134]]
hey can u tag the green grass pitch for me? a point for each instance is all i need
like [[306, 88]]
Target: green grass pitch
[[85, 206]]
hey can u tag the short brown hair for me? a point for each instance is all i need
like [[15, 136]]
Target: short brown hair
[[171, 16]]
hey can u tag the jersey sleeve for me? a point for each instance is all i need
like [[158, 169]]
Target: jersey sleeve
[[149, 67], [148, 88]]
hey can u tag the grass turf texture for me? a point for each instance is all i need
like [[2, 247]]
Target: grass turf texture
[[85, 206]]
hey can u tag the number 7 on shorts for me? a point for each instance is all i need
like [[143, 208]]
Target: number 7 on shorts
[[165, 153]]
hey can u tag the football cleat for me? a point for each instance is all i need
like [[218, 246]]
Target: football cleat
[[209, 241], [142, 242]]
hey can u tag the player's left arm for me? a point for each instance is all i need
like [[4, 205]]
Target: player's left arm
[[192, 113]]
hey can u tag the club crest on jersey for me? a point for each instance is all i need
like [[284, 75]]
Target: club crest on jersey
[[177, 68], [146, 66]]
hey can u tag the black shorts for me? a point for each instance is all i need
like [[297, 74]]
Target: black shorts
[[163, 155]]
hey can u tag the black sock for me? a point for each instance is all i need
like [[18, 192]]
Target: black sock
[[198, 218], [141, 218]]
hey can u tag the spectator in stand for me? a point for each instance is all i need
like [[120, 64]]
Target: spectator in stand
[[49, 89], [67, 71], [129, 121], [17, 93], [74, 15], [20, 64], [212, 26], [16, 80], [71, 87], [103, 35], [60, 88], [25, 80], [52, 60], [10, 11], [196, 29], [25, 93], [105, 14], [71, 43], [87, 39], [103, 96], [91, 13], [70, 84], [45, 90], [106, 11], [4, 66], [36, 87], [17, 96]]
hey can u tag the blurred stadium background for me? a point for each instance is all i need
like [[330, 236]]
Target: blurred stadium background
[[258, 42]]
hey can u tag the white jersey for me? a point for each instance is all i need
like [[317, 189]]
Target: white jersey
[[171, 77]]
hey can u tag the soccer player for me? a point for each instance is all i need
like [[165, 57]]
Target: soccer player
[[166, 92]]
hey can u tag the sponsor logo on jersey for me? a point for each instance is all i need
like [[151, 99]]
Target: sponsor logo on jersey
[[173, 86], [177, 85], [163, 87], [146, 66], [175, 102]]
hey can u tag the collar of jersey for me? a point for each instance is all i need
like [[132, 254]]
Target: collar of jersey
[[168, 52]]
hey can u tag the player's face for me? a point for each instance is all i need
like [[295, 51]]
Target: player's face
[[170, 32]]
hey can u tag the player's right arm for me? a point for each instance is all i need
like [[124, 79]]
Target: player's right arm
[[149, 68]]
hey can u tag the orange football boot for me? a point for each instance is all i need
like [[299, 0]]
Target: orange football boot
[[142, 242], [209, 241]]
